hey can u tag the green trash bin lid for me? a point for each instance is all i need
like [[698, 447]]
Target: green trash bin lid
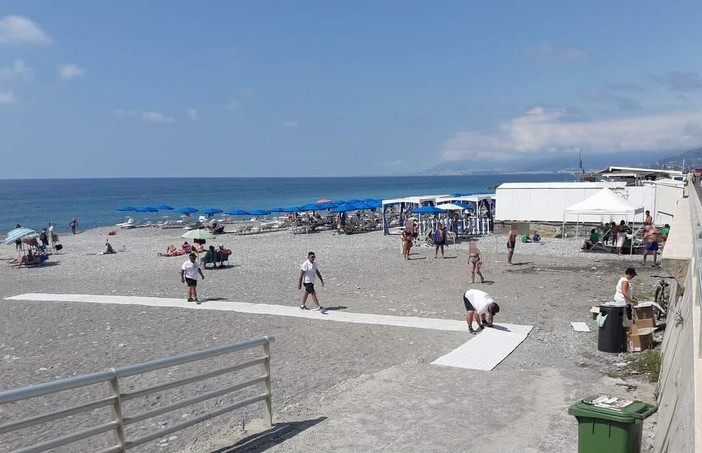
[[611, 408]]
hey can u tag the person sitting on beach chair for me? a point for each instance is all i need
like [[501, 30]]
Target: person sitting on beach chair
[[223, 255], [186, 247]]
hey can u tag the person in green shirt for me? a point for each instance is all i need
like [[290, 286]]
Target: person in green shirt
[[664, 232], [592, 240]]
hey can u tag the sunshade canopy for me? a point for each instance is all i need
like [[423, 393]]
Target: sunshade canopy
[[604, 202]]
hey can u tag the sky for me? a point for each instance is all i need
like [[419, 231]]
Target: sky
[[317, 88]]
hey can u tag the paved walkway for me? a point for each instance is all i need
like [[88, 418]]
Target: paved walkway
[[331, 314]]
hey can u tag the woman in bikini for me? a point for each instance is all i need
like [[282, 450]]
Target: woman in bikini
[[475, 261]]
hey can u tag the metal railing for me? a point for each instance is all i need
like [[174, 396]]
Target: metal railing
[[116, 398]]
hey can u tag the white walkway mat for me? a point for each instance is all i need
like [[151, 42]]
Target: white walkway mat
[[580, 326], [263, 309], [486, 349]]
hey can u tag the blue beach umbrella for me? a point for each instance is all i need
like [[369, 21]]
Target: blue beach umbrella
[[346, 207], [310, 207], [329, 205], [237, 212], [259, 212], [19, 233], [428, 210], [126, 208], [210, 211], [186, 210], [291, 209], [277, 209], [163, 207], [146, 209]]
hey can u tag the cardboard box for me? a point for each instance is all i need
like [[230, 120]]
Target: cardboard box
[[638, 343], [644, 312], [639, 329], [645, 323]]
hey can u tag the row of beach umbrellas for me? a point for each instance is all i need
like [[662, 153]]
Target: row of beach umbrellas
[[320, 205]]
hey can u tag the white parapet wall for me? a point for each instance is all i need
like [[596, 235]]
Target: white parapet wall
[[679, 427]]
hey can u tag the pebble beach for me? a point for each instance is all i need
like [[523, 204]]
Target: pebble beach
[[550, 285]]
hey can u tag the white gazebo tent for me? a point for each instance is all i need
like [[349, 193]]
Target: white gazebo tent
[[603, 203]]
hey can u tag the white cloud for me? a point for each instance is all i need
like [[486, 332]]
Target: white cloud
[[546, 52], [149, 117], [156, 117], [290, 124], [192, 114], [543, 131], [20, 30], [19, 71], [70, 71], [233, 104], [7, 97]]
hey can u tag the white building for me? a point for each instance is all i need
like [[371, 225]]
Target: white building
[[546, 202]]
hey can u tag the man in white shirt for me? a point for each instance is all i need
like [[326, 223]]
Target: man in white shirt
[[481, 306], [188, 274], [308, 272]]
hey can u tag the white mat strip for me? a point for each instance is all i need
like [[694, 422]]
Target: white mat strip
[[263, 309], [580, 327], [484, 351]]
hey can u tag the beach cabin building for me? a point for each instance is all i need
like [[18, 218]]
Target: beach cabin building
[[482, 207], [396, 211]]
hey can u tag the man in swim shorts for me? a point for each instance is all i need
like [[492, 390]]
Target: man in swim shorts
[[650, 237], [188, 274], [308, 272], [481, 306]]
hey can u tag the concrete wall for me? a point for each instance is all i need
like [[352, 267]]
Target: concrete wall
[[679, 427]]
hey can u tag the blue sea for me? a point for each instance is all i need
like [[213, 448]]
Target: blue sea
[[94, 202]]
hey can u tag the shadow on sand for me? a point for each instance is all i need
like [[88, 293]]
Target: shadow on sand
[[262, 441]]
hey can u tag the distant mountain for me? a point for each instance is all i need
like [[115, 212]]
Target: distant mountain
[[549, 164], [692, 159]]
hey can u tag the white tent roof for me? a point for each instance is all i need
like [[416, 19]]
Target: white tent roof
[[604, 202], [451, 207]]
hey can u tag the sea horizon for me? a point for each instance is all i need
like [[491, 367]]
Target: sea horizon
[[94, 201]]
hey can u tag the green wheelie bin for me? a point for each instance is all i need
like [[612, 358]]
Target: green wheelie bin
[[612, 425]]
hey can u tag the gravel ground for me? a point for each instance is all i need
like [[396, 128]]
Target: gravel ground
[[550, 285]]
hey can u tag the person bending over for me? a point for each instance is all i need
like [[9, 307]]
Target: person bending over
[[481, 307]]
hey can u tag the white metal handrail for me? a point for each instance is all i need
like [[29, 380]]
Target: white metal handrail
[[115, 398]]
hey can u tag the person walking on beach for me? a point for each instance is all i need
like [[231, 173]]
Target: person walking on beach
[[481, 307], [308, 272], [475, 261], [511, 243], [188, 275], [439, 240], [74, 225]]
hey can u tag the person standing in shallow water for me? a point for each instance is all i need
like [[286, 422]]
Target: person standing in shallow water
[[74, 225]]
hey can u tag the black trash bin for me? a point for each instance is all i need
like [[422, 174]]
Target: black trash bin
[[612, 335]]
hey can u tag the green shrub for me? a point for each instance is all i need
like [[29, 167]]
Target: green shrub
[[648, 363]]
